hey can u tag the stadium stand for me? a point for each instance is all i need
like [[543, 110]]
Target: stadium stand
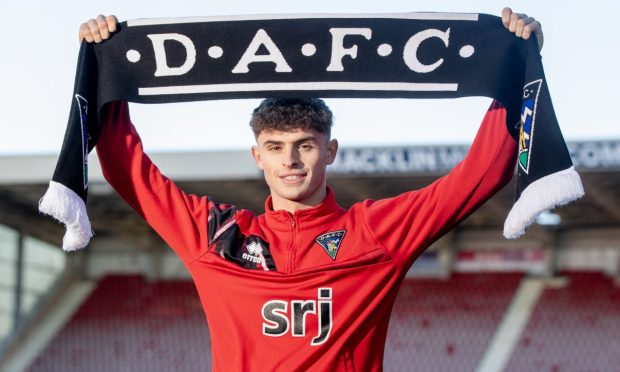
[[126, 302], [129, 324], [440, 324], [574, 328]]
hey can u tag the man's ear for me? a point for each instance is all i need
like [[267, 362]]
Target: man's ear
[[332, 150], [256, 156]]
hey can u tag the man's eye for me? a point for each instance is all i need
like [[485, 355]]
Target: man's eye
[[274, 148], [305, 146]]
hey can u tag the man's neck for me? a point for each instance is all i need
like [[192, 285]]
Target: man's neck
[[279, 203]]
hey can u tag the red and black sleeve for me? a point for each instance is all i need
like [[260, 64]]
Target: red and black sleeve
[[180, 219], [409, 223]]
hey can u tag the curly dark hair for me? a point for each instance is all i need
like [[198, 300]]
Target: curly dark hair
[[285, 114]]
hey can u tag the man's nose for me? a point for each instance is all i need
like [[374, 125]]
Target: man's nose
[[290, 158]]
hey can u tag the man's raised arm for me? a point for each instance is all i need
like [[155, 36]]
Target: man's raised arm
[[180, 219], [411, 222]]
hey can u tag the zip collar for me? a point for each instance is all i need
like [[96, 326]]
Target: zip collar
[[317, 214]]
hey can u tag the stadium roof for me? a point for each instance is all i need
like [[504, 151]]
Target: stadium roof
[[358, 173]]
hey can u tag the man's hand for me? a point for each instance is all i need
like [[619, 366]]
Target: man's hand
[[522, 25], [98, 29]]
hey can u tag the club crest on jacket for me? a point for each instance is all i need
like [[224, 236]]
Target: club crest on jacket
[[331, 242]]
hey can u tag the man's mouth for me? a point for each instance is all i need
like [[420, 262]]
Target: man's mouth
[[293, 178]]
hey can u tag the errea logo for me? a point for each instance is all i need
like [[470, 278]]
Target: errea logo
[[255, 248], [254, 254]]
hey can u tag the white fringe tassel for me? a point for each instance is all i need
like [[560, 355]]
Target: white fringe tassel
[[67, 207], [548, 192]]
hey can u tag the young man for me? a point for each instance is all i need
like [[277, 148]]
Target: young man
[[307, 285]]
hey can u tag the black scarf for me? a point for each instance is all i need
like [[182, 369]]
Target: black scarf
[[410, 55]]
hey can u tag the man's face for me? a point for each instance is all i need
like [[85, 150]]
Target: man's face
[[294, 164]]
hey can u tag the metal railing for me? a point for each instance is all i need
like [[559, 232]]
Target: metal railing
[[22, 313]]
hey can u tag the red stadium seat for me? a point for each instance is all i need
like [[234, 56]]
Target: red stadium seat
[[128, 324], [446, 324], [576, 328]]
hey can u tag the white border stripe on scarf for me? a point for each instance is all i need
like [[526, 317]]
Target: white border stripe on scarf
[[428, 16], [318, 85]]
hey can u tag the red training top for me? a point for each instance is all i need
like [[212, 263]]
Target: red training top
[[311, 290]]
